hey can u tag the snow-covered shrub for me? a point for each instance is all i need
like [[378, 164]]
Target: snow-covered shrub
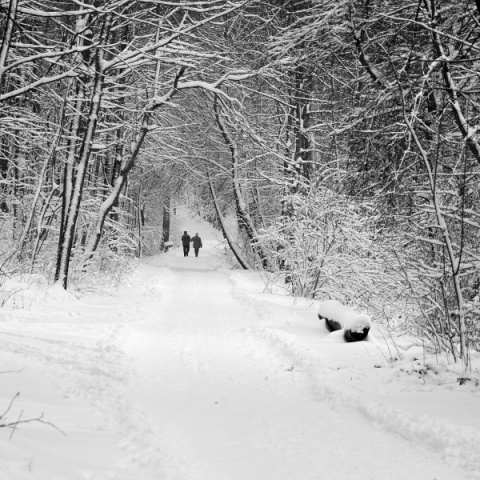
[[429, 281], [9, 265], [440, 262], [106, 269], [23, 291], [331, 248], [336, 247], [113, 260]]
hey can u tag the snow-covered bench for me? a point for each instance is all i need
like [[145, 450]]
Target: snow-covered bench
[[167, 246], [337, 317]]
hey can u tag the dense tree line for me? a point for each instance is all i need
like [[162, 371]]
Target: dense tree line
[[335, 144]]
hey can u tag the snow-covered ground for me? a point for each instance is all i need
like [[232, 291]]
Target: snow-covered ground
[[194, 372]]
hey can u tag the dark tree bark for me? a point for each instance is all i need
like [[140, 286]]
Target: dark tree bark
[[73, 209], [166, 220]]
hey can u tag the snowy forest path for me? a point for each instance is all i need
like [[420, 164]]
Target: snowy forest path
[[221, 404]]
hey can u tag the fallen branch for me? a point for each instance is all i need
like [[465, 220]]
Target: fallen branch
[[14, 425]]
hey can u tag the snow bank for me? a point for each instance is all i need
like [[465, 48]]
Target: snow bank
[[31, 292], [457, 444], [360, 378]]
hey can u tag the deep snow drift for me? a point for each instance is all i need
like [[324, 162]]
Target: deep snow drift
[[193, 372]]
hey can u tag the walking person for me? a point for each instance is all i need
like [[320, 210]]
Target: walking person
[[197, 244], [186, 243]]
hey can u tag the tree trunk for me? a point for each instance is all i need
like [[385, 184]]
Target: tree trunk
[[139, 221], [7, 38], [231, 242], [65, 250], [41, 230], [244, 219], [166, 220]]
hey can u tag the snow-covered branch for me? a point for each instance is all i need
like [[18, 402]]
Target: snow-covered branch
[[38, 83]]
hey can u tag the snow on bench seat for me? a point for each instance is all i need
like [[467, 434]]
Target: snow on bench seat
[[337, 317]]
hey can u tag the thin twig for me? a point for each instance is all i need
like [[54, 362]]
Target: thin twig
[[15, 425], [10, 406]]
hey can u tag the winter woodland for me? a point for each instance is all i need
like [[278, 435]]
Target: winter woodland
[[326, 151], [334, 144]]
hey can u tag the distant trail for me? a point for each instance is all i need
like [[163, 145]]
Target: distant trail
[[222, 405]]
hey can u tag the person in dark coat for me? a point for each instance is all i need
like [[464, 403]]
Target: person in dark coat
[[197, 244], [186, 243]]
